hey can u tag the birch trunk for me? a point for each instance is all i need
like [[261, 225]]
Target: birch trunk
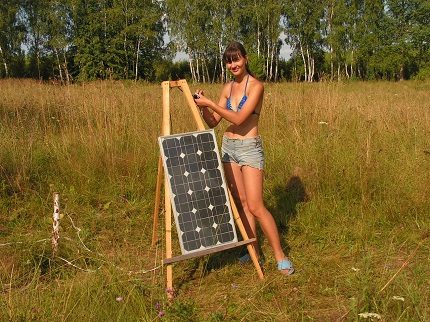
[[66, 70], [203, 63], [4, 62], [331, 69], [267, 60], [207, 72], [309, 65], [193, 72], [312, 69], [38, 62], [136, 67], [60, 69], [305, 66], [198, 68], [272, 55], [258, 39], [223, 76], [126, 56], [215, 69]]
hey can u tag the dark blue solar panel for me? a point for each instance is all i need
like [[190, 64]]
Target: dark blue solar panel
[[198, 191]]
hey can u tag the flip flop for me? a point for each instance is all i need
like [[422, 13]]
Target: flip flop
[[285, 266]]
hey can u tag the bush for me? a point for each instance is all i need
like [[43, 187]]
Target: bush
[[423, 74]]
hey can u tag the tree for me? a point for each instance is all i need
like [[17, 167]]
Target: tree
[[117, 39], [302, 26], [11, 36], [400, 49], [58, 29]]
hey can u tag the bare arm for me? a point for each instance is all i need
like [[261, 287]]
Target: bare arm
[[210, 116], [237, 118]]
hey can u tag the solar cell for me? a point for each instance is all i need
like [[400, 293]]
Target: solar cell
[[197, 190]]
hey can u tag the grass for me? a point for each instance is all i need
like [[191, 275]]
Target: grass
[[347, 180]]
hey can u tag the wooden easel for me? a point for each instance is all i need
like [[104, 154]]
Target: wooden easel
[[169, 260]]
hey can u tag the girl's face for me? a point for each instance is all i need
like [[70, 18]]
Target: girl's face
[[237, 66]]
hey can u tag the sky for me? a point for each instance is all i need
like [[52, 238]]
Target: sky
[[285, 50]]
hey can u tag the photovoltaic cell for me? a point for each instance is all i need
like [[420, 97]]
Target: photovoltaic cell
[[198, 191]]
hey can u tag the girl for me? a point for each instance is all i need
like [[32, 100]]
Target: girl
[[240, 103]]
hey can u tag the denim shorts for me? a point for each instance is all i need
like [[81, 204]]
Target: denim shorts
[[247, 151]]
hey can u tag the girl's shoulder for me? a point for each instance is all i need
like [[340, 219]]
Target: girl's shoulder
[[255, 84]]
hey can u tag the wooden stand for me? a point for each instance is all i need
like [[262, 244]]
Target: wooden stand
[[250, 242]]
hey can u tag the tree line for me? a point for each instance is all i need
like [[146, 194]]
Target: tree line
[[80, 40]]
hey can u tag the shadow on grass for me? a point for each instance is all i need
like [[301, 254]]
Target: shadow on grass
[[189, 273], [287, 197]]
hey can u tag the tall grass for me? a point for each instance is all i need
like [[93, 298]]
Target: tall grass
[[347, 179]]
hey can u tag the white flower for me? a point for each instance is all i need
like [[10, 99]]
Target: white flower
[[370, 315]]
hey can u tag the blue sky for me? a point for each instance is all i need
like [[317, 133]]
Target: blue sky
[[285, 50]]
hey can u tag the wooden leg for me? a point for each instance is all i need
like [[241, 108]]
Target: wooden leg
[[157, 202], [250, 247], [194, 110], [167, 205], [168, 222]]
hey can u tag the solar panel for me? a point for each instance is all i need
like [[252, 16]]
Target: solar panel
[[197, 190]]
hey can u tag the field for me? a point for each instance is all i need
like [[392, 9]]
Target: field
[[347, 180]]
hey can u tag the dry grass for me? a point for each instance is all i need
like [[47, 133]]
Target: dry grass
[[347, 179]]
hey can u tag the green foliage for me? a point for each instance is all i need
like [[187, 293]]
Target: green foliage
[[183, 311], [117, 40], [12, 35], [256, 65], [66, 40], [423, 74], [167, 70]]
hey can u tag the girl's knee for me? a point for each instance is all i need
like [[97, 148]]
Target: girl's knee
[[257, 210]]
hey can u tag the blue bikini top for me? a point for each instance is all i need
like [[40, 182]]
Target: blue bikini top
[[242, 101]]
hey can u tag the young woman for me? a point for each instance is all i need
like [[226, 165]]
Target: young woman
[[240, 103]]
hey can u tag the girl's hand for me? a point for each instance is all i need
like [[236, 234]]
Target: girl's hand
[[200, 98]]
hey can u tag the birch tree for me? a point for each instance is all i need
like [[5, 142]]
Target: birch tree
[[11, 36], [302, 27]]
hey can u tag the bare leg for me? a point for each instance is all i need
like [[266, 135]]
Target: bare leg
[[253, 185], [234, 176]]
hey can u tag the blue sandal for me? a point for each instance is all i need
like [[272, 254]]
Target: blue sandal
[[285, 266]]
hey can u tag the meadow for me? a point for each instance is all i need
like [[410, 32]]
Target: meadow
[[347, 179]]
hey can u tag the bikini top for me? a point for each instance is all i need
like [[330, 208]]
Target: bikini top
[[242, 101]]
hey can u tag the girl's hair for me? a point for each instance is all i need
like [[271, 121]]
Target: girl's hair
[[233, 52]]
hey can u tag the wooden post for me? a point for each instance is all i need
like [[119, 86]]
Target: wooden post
[[157, 202], [194, 109], [167, 205], [56, 224]]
